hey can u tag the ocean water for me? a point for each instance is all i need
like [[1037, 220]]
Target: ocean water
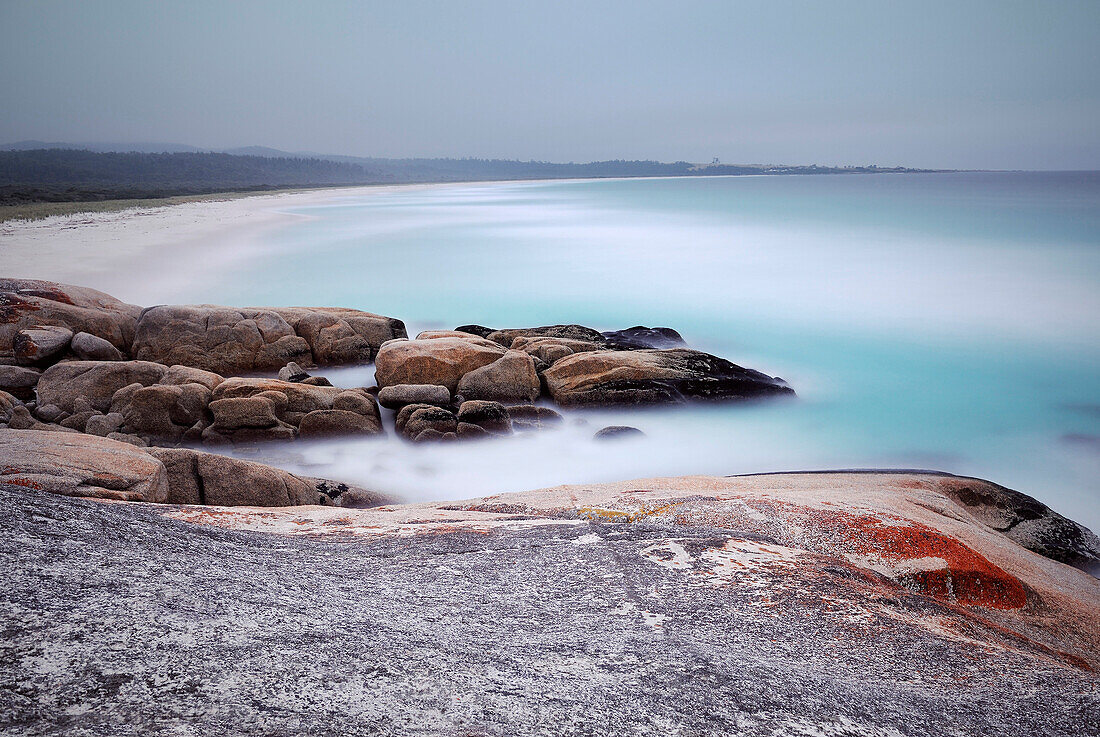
[[940, 321]]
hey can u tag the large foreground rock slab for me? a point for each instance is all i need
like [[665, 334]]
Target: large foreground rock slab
[[653, 607], [27, 303], [602, 378], [229, 340], [80, 465]]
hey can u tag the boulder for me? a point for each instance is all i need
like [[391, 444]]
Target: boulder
[[235, 413], [430, 334], [604, 378], [551, 350], [96, 381], [219, 339], [489, 416], [434, 419], [356, 400], [511, 378], [292, 372], [618, 432], [1026, 521], [40, 344], [104, 425], [532, 417], [336, 422], [341, 335], [25, 303], [19, 380], [74, 464], [8, 403], [301, 398], [164, 412], [186, 375], [640, 338], [398, 395], [195, 477], [88, 347], [405, 413], [479, 330], [572, 332], [442, 361]]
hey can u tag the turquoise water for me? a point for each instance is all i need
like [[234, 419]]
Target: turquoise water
[[936, 321]]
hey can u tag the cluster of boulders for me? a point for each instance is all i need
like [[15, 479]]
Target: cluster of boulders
[[76, 360]]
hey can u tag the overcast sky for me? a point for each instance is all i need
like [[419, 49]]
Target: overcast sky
[[958, 84]]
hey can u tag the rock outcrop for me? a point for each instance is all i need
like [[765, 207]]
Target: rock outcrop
[[80, 465], [510, 379], [605, 378], [230, 341], [773, 605], [32, 303], [195, 477], [442, 361], [63, 384]]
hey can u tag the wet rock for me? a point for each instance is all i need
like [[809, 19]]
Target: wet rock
[[19, 380], [605, 378], [25, 303], [479, 330], [533, 417], [96, 381], [618, 432], [398, 395], [88, 347], [336, 422], [442, 361], [75, 464], [640, 338], [40, 344], [511, 378], [490, 416], [405, 413]]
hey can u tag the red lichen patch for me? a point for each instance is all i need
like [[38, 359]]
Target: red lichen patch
[[965, 577], [26, 483], [54, 295], [12, 307]]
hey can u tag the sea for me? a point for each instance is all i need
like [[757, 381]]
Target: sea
[[946, 321]]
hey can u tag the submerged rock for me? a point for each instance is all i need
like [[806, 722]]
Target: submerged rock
[[618, 432]]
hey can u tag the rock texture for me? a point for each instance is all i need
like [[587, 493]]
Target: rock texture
[[782, 605], [80, 465], [27, 303], [195, 477], [442, 361], [230, 341], [655, 377], [95, 381], [511, 378]]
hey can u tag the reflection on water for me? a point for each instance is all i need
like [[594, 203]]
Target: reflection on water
[[948, 321]]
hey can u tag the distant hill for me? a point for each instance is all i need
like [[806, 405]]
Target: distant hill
[[33, 171]]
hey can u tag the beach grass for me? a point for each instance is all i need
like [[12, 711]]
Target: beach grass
[[41, 210]]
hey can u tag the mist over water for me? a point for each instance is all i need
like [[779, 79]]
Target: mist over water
[[939, 321]]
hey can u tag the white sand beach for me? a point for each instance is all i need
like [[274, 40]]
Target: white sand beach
[[150, 255]]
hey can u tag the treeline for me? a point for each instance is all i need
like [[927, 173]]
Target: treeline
[[75, 175]]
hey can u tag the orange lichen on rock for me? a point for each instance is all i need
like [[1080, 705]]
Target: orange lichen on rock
[[908, 551]]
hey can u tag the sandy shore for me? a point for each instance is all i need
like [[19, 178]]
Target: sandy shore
[[144, 255]]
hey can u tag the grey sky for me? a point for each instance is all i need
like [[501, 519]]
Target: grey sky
[[957, 84]]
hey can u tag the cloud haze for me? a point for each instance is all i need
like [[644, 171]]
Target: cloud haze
[[972, 84]]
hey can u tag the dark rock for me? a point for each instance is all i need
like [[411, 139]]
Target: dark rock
[[570, 332], [533, 417], [618, 432], [640, 338], [104, 425], [316, 381], [490, 416], [292, 372], [479, 330], [466, 431], [655, 377]]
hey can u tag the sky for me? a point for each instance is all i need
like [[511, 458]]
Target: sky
[[1000, 85]]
